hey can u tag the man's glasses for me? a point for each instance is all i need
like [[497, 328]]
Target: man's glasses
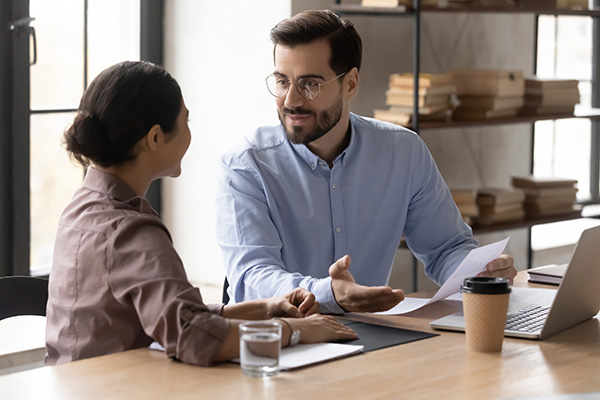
[[309, 88]]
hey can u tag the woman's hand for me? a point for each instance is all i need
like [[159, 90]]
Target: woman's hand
[[318, 328]]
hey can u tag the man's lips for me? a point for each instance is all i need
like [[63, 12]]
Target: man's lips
[[297, 118]]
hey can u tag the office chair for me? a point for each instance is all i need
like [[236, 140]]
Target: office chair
[[23, 295]]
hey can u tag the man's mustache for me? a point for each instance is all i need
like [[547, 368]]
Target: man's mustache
[[296, 111]]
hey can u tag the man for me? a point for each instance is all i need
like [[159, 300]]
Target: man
[[326, 184]]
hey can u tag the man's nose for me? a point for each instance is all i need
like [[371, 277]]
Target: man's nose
[[293, 98]]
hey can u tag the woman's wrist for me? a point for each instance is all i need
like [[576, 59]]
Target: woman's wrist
[[286, 332]]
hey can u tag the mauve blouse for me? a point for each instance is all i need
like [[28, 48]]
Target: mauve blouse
[[117, 282]]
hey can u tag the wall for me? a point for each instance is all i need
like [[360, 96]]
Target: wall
[[220, 53]]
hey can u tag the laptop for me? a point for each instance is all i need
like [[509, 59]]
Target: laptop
[[576, 300]]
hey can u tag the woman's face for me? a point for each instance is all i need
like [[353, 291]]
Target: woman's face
[[177, 143]]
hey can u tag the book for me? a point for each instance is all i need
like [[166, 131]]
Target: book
[[495, 218], [426, 80], [468, 209], [408, 90], [535, 181], [479, 82], [552, 273], [537, 211], [426, 110], [538, 84], [499, 196], [394, 99], [472, 114], [463, 195], [398, 118], [564, 101], [551, 201], [384, 3], [544, 192], [491, 102], [502, 208]]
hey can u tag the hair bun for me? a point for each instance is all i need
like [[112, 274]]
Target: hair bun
[[86, 138]]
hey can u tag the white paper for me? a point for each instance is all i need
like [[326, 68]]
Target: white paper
[[472, 264], [306, 354]]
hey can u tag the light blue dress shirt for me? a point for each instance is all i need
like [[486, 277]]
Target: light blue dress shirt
[[283, 216]]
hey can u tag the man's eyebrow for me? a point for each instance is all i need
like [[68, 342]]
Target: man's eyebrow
[[305, 76]]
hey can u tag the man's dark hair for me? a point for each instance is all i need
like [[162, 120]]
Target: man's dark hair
[[308, 26]]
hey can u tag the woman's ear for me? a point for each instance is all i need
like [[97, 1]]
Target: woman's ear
[[152, 139]]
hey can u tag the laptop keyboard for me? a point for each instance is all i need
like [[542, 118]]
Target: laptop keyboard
[[528, 319]]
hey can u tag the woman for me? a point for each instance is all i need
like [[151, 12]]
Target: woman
[[117, 283]]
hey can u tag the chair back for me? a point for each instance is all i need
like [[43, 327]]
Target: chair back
[[23, 295]]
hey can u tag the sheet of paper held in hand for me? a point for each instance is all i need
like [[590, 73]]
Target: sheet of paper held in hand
[[473, 264]]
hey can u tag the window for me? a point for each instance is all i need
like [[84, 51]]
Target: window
[[76, 40], [566, 148], [52, 58]]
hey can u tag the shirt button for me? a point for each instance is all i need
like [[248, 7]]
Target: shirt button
[[322, 162], [334, 186], [338, 229], [312, 165]]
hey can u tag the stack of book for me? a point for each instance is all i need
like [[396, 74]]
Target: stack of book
[[547, 195], [466, 201], [498, 205], [385, 3], [486, 94], [550, 96], [435, 96]]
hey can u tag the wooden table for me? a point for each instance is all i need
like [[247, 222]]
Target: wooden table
[[434, 368]]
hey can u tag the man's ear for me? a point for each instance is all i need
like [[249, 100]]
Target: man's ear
[[152, 139], [353, 79]]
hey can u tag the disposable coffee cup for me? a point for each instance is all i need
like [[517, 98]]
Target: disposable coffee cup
[[485, 304], [260, 343]]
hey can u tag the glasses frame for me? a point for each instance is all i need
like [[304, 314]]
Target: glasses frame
[[298, 87]]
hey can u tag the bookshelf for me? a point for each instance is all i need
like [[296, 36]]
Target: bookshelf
[[415, 12]]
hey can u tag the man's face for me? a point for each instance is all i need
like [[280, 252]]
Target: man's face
[[305, 121]]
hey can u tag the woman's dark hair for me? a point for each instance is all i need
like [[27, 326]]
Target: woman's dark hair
[[308, 26], [118, 109]]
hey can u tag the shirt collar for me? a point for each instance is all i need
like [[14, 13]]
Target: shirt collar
[[116, 188], [313, 161]]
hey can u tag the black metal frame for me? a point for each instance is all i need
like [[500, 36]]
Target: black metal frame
[[14, 139]]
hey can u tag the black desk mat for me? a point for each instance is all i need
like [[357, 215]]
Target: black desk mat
[[374, 337]]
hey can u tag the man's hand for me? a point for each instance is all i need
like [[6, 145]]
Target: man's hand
[[501, 267], [353, 297], [297, 304]]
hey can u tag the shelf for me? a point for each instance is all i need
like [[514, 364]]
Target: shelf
[[407, 11], [594, 212], [580, 112]]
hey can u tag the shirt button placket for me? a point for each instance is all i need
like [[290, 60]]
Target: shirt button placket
[[337, 212]]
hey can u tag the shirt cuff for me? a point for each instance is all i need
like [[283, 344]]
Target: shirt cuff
[[324, 294]]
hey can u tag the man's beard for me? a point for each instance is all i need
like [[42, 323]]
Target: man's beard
[[326, 120]]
